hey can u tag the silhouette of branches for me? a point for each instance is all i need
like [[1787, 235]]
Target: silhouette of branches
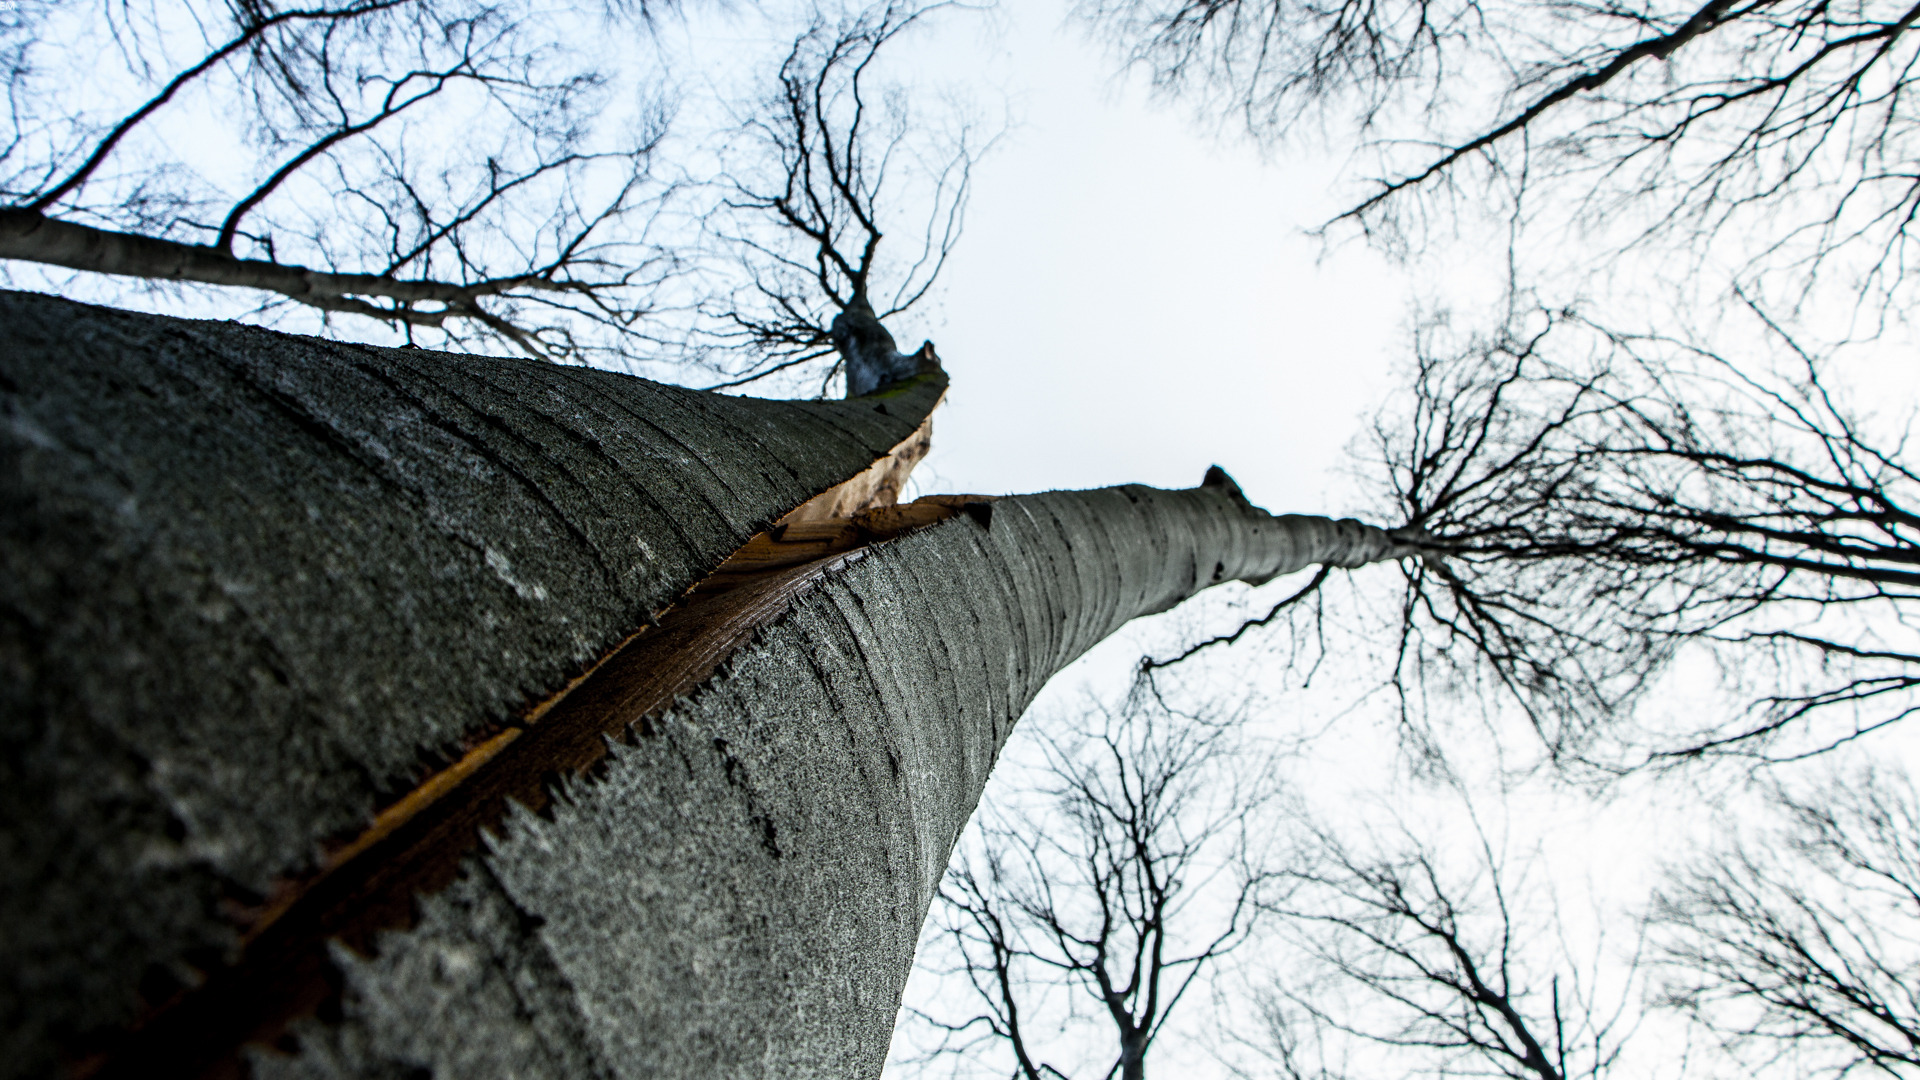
[[1136, 875], [332, 181], [1798, 949], [1786, 127], [1597, 503], [819, 177], [1439, 972]]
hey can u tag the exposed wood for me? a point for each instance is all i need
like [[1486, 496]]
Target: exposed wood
[[738, 892], [791, 543], [286, 972], [783, 546], [886, 521], [269, 582], [414, 846], [880, 485]]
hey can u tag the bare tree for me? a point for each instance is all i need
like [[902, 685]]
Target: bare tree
[[1798, 949], [814, 185], [1588, 509], [1606, 503], [341, 191], [1438, 974], [436, 165], [1129, 877], [1784, 127]]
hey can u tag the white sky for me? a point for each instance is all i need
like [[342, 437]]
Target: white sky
[[1134, 301]]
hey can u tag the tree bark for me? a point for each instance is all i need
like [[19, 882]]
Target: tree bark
[[250, 577], [253, 585], [1133, 1056]]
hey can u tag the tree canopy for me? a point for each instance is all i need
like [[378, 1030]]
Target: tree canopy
[[482, 175]]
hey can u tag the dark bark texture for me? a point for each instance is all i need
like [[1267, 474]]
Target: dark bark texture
[[253, 585], [739, 892], [867, 350]]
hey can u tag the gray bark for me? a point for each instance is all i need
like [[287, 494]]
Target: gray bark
[[740, 893], [253, 583], [867, 350], [1133, 1056]]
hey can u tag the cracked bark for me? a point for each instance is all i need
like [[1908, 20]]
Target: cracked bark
[[253, 585], [250, 576], [739, 889]]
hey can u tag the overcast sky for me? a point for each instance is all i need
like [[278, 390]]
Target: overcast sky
[[1137, 298]]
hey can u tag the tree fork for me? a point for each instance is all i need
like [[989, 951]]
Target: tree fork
[[334, 556]]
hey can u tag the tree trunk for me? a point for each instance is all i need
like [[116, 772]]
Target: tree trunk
[[258, 587], [1133, 1056], [254, 584]]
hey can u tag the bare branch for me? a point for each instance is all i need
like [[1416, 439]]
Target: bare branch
[[1798, 948], [1139, 882], [534, 236], [1775, 135], [811, 204], [1439, 964], [1590, 519]]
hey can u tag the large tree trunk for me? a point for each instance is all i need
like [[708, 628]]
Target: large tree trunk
[[258, 588]]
